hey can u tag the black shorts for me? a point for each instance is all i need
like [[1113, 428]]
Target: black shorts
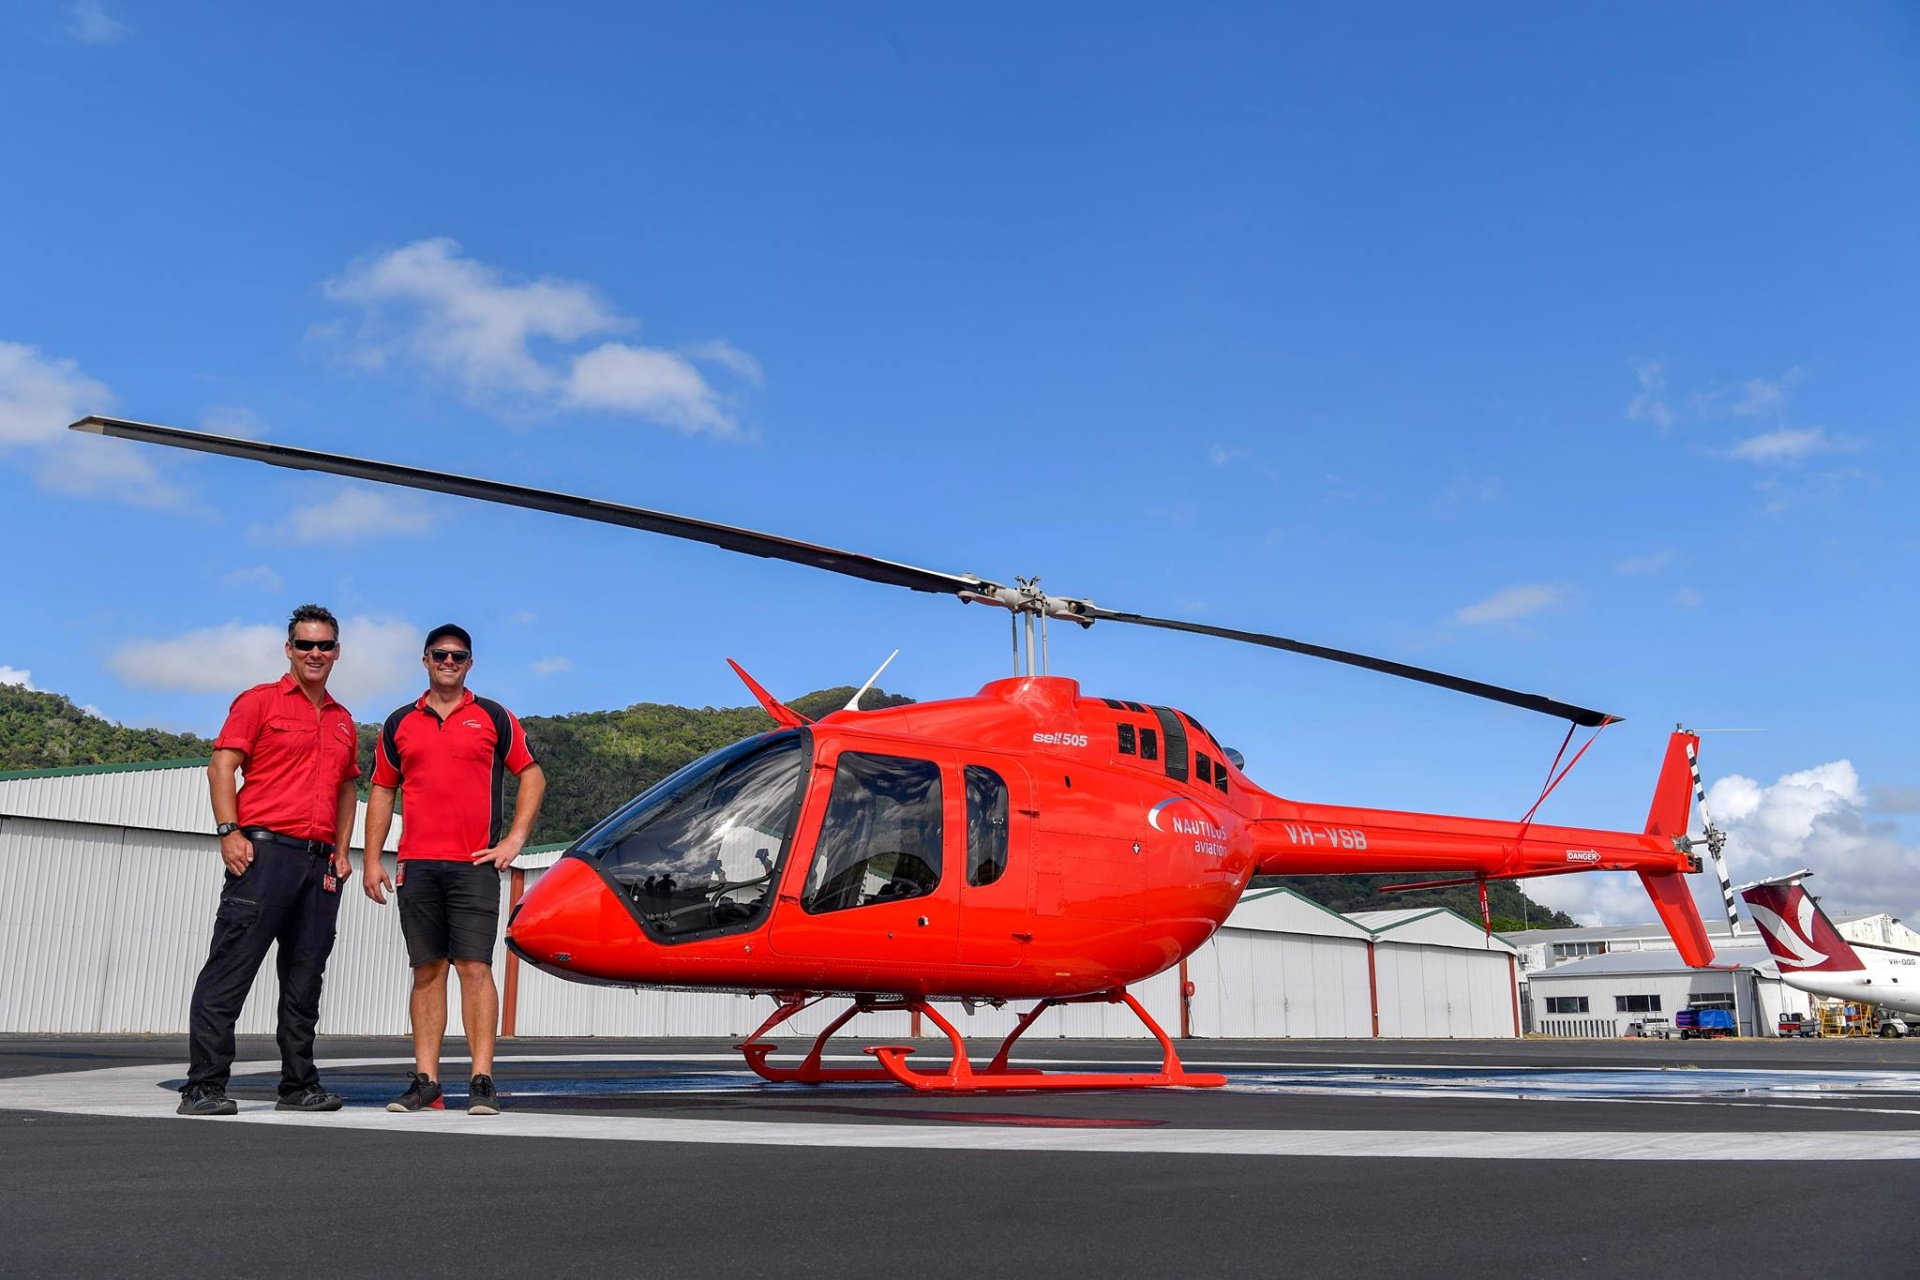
[[449, 910]]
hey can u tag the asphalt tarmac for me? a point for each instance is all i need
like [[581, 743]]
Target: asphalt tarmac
[[1383, 1158]]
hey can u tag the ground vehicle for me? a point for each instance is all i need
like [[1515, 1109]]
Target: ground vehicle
[[1798, 1024], [1704, 1024], [1891, 1025]]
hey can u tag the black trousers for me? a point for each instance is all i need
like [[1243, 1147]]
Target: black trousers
[[281, 897]]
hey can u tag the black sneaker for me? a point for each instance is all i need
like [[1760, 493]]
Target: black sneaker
[[423, 1094], [206, 1100], [311, 1098], [481, 1098]]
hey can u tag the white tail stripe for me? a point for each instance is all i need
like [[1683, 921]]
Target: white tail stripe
[[1789, 947]]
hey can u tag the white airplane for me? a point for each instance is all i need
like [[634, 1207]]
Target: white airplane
[[1814, 957]]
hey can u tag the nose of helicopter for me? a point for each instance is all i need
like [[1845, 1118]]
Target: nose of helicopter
[[561, 919]]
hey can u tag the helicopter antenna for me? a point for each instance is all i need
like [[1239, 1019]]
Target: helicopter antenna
[[853, 703], [1715, 838], [1023, 598]]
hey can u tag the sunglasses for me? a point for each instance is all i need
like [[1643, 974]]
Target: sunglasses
[[450, 655], [324, 646]]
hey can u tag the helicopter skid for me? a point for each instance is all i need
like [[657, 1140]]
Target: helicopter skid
[[960, 1076]]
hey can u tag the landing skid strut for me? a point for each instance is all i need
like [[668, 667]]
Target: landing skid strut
[[960, 1076]]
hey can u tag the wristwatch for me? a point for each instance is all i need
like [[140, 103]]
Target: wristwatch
[[226, 829]]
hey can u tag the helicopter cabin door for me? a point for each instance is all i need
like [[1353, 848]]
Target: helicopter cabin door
[[881, 889], [995, 811]]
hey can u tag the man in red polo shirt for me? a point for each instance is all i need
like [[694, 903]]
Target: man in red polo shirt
[[283, 836], [448, 754]]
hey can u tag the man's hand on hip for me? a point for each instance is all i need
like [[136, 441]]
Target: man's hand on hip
[[501, 856]]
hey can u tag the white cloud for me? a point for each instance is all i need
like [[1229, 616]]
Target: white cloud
[[1687, 597], [1816, 818], [1651, 563], [16, 675], [1467, 491], [551, 666], [39, 396], [379, 657], [351, 514], [1650, 405], [90, 23], [1220, 455], [1754, 398], [1784, 445], [1509, 604], [427, 307], [254, 576], [526, 617]]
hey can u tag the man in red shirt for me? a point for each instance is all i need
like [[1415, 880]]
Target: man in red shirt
[[283, 837], [448, 754]]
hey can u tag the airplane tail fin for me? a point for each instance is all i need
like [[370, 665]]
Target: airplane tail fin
[[1672, 798], [1796, 929]]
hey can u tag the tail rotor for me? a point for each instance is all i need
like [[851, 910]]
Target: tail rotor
[[1716, 841]]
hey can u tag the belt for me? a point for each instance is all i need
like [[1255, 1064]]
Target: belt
[[315, 847]]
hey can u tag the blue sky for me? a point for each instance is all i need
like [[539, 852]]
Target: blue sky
[[1565, 347]]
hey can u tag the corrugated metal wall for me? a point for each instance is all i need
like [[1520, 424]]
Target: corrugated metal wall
[[1440, 992], [103, 929]]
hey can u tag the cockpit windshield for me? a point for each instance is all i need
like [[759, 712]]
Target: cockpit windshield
[[700, 853]]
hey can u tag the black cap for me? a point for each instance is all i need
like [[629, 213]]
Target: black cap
[[449, 629]]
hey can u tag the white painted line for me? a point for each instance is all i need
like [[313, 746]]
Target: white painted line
[[125, 1092]]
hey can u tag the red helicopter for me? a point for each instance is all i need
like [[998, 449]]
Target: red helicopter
[[1026, 843]]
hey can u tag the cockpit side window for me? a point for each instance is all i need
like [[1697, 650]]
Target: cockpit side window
[[986, 825], [880, 839]]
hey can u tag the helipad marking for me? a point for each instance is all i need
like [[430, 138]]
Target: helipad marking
[[131, 1092]]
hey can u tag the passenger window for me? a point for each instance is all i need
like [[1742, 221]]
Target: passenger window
[[986, 825], [1203, 769], [1149, 744], [1126, 739], [880, 840]]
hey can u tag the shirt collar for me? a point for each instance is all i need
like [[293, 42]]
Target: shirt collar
[[466, 697], [291, 687]]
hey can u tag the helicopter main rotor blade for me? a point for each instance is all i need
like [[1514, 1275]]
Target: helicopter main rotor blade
[[726, 536], [1480, 689], [1025, 598]]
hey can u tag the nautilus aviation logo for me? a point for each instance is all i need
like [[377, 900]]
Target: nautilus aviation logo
[[1177, 815]]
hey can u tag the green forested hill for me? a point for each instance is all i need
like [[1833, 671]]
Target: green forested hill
[[596, 761], [41, 730]]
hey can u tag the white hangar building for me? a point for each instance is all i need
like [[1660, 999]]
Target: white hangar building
[[1602, 995], [109, 876]]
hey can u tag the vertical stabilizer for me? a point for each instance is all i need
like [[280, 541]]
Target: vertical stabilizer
[[1674, 791], [1798, 932]]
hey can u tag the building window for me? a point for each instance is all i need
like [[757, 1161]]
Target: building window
[[1566, 1004], [1711, 1000], [1569, 950], [1636, 1004]]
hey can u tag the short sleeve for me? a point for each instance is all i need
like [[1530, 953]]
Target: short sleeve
[[242, 724], [519, 752], [386, 770]]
